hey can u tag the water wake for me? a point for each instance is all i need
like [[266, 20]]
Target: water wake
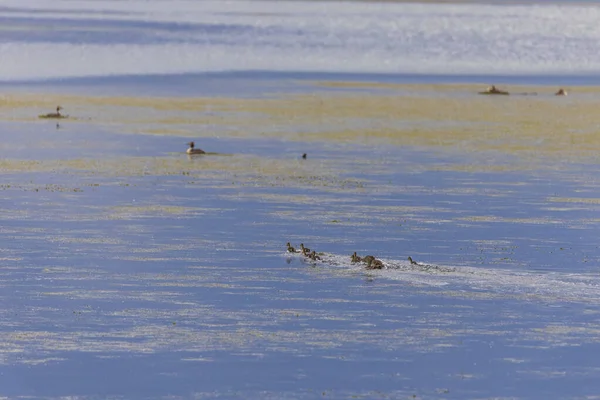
[[486, 282]]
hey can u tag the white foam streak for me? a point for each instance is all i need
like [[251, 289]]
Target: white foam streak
[[483, 282], [94, 38]]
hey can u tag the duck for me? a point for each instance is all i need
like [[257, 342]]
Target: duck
[[375, 264], [368, 259], [561, 92], [304, 250], [192, 150], [355, 258], [413, 262], [493, 90], [57, 114], [304, 156], [313, 256], [290, 248]]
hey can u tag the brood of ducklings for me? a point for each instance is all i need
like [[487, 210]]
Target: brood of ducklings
[[313, 256], [192, 150], [413, 262], [375, 264], [493, 90], [290, 248], [355, 258], [561, 92], [304, 250], [57, 114]]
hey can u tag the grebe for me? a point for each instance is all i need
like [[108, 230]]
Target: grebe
[[57, 114], [192, 150]]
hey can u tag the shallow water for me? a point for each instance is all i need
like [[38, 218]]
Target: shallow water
[[133, 271]]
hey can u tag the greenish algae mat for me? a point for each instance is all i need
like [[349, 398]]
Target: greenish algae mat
[[417, 115], [130, 270]]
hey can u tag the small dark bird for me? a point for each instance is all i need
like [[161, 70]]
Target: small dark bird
[[313, 256], [304, 156], [413, 262], [355, 258], [57, 114], [290, 248]]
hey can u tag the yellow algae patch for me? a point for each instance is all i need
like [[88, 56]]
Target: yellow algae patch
[[153, 210], [491, 218], [442, 116], [82, 240], [575, 200], [173, 165]]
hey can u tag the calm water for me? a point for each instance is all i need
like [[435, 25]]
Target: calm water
[[131, 271], [141, 273], [135, 37]]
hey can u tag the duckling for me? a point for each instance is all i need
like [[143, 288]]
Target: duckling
[[192, 150], [413, 262], [375, 264], [290, 248], [313, 256], [368, 259], [304, 156], [355, 258], [57, 114], [304, 250], [561, 92]]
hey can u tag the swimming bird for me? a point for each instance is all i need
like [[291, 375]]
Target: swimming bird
[[368, 259], [192, 150], [57, 114], [561, 92], [304, 156], [313, 256], [413, 262], [493, 90], [375, 264], [304, 250], [290, 248], [355, 258]]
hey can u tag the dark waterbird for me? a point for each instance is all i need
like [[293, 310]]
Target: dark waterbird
[[304, 250], [193, 150], [56, 115], [290, 248], [375, 264]]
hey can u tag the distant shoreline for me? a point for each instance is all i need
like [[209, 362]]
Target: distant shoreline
[[186, 82], [495, 2], [489, 2]]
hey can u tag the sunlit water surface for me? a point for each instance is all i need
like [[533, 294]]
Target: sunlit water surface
[[131, 271]]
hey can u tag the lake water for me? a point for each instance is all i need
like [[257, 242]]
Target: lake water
[[132, 271], [99, 38]]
